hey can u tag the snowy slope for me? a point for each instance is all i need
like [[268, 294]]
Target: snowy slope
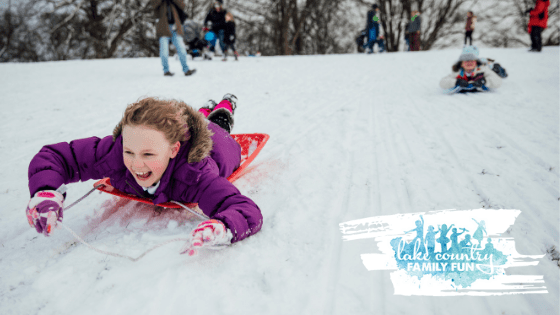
[[352, 136]]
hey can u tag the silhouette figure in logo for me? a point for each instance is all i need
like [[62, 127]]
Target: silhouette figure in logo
[[443, 239], [465, 244], [419, 234], [454, 243], [479, 233], [489, 247], [431, 240]]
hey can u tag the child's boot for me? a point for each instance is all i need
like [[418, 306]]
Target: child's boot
[[236, 55], [208, 108], [222, 115]]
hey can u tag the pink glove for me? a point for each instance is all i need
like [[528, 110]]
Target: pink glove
[[207, 233], [44, 210]]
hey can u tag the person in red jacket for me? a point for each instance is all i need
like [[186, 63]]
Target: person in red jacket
[[537, 23]]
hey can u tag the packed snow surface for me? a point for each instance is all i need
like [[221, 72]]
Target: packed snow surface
[[352, 136]]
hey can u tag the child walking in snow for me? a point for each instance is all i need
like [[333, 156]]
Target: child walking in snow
[[469, 74], [229, 36], [163, 150]]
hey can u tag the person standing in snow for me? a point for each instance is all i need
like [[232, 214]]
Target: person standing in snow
[[469, 27], [372, 29], [162, 150], [229, 36], [407, 36], [169, 27], [538, 21], [215, 21], [414, 30], [469, 73]]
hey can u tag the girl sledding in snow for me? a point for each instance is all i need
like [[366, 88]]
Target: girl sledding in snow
[[163, 150], [470, 75]]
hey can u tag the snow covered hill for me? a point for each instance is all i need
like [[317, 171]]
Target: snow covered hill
[[352, 136]]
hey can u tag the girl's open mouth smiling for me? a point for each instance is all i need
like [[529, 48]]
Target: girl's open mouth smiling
[[143, 175]]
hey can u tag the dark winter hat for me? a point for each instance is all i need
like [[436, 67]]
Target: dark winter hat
[[469, 53], [374, 6]]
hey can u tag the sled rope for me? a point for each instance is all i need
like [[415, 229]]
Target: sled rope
[[201, 216], [120, 255], [62, 189]]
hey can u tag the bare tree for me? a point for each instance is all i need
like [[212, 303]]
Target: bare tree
[[288, 27], [439, 18], [101, 24], [18, 41]]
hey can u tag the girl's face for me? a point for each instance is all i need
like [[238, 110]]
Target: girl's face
[[469, 65], [146, 153], [228, 18]]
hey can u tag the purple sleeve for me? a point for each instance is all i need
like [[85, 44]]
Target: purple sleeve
[[65, 163], [220, 200]]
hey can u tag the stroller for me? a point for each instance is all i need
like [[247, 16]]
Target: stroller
[[195, 38], [361, 41]]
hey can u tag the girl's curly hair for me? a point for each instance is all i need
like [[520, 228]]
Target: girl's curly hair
[[167, 116]]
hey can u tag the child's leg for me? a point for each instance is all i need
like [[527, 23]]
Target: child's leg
[[208, 108], [235, 54], [205, 111], [164, 53], [225, 104], [222, 115]]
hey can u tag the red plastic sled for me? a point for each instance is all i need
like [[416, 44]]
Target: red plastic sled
[[251, 145]]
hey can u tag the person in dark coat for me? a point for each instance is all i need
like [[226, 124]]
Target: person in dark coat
[[414, 30], [372, 27], [537, 23], [407, 36], [229, 36], [215, 20], [169, 28]]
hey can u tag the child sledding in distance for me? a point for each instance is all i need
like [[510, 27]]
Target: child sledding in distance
[[470, 75], [163, 150]]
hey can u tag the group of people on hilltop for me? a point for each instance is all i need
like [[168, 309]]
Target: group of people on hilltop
[[371, 35], [173, 26], [220, 25]]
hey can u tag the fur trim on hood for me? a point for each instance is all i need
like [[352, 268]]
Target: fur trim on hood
[[457, 66], [198, 134], [201, 136]]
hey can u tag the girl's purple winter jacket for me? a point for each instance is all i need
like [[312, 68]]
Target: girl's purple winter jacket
[[203, 182]]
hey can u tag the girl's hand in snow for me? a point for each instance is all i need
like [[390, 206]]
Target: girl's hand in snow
[[44, 210], [207, 233]]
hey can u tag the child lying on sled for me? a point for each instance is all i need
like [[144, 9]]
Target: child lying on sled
[[163, 150], [470, 74]]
